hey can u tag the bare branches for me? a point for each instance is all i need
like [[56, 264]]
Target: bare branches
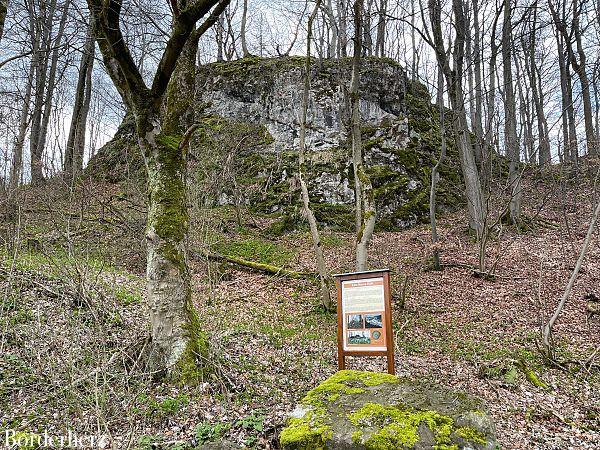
[[183, 27]]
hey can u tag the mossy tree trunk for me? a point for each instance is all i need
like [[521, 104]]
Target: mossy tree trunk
[[177, 342], [168, 280], [363, 189]]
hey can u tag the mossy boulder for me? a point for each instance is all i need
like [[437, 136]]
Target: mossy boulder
[[366, 410]]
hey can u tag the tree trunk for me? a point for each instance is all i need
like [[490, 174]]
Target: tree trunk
[[178, 344], [477, 119], [3, 10], [220, 32], [580, 68], [16, 169], [57, 43], [365, 202], [531, 64], [333, 39], [435, 171], [510, 118], [343, 30], [367, 40], [526, 116], [73, 164], [312, 222], [245, 52], [491, 98], [573, 140], [564, 59], [471, 86], [176, 339], [473, 191], [565, 100], [381, 29], [45, 21]]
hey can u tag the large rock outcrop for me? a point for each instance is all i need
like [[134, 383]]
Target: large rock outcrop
[[364, 410], [245, 152], [400, 137], [269, 91]]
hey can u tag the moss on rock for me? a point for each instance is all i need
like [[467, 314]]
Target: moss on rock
[[397, 427], [236, 160], [307, 433], [354, 409]]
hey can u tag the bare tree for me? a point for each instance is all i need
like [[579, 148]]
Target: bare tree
[[454, 79], [73, 164], [245, 52], [381, 28], [342, 9], [477, 92], [220, 37], [45, 80], [511, 141], [312, 221], [367, 38], [568, 112], [435, 172], [365, 202], [16, 169], [531, 66], [578, 62], [333, 26], [491, 96]]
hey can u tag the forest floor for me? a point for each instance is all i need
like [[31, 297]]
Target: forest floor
[[73, 319]]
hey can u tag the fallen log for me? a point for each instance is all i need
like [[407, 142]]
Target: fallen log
[[256, 266]]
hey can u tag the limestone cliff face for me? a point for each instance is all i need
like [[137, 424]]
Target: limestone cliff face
[[400, 135], [269, 91], [245, 151]]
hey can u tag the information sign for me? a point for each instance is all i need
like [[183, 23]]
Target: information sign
[[364, 316]]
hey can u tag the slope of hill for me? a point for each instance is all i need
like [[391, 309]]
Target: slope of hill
[[73, 320]]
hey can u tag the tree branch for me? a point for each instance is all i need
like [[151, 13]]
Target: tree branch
[[183, 27], [117, 57], [208, 23]]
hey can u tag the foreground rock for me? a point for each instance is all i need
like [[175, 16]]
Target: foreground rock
[[366, 410]]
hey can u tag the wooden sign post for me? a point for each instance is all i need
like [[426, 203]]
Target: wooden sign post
[[364, 316]]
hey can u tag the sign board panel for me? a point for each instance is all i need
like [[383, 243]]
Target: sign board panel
[[364, 316], [363, 308]]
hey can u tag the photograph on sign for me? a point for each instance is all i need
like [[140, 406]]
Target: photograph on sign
[[363, 309]]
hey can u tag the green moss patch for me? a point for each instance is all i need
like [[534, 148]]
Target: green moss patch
[[345, 382], [397, 427], [255, 249], [307, 433]]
